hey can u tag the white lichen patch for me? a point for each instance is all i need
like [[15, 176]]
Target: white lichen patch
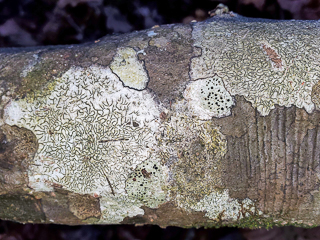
[[145, 183], [30, 66], [91, 131], [219, 206], [151, 34], [129, 69], [13, 112], [267, 62], [115, 209], [208, 98]]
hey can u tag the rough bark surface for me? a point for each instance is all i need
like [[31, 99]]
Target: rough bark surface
[[209, 124]]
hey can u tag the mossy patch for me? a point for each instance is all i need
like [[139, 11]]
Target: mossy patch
[[21, 208], [41, 78], [36, 83]]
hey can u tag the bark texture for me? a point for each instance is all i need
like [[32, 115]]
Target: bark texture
[[209, 124]]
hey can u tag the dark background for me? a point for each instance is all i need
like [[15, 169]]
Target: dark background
[[52, 22]]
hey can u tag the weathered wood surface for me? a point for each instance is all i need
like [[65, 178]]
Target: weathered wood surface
[[209, 124]]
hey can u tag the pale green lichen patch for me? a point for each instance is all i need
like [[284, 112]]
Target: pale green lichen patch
[[208, 98], [267, 62], [91, 132], [129, 69], [146, 183], [115, 209], [219, 206]]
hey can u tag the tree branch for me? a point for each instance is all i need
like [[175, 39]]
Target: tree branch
[[209, 124]]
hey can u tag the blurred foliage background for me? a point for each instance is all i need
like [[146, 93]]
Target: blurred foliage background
[[51, 22]]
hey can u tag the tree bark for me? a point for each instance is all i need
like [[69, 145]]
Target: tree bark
[[209, 124]]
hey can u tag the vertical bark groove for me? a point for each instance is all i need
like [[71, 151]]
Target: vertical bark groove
[[275, 160]]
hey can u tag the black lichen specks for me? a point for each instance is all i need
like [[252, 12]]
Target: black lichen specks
[[215, 97], [144, 184]]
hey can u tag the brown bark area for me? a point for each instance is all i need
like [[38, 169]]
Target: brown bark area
[[168, 78], [17, 147], [273, 159], [168, 214]]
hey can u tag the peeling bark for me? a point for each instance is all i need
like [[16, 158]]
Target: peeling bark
[[209, 124]]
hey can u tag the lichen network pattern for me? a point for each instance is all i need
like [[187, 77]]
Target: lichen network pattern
[[91, 131], [266, 62]]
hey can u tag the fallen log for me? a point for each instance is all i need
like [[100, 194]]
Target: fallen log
[[209, 124]]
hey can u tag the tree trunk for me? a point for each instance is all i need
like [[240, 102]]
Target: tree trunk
[[209, 124]]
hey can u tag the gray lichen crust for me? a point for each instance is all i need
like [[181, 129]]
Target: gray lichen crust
[[267, 62], [91, 132]]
